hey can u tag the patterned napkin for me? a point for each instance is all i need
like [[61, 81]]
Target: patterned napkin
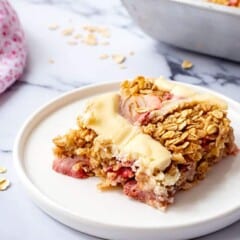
[[12, 46]]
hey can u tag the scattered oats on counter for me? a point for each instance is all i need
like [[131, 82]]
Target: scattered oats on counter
[[187, 64], [89, 34], [68, 31], [4, 184], [92, 36], [118, 58], [53, 27], [3, 170]]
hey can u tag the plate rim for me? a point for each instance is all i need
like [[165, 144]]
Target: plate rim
[[39, 196]]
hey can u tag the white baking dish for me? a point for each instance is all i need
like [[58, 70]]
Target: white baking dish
[[191, 24]]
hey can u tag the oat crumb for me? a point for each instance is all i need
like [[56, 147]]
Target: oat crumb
[[90, 39], [104, 43], [131, 53], [89, 28], [51, 61], [118, 58], [4, 184], [78, 36], [122, 67], [104, 56], [186, 64], [67, 31], [53, 27], [72, 43], [3, 170], [105, 33]]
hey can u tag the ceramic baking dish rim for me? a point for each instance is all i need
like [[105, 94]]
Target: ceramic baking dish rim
[[210, 6]]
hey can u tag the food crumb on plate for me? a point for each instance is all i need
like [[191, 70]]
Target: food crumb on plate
[[3, 170], [118, 58], [4, 184], [186, 64]]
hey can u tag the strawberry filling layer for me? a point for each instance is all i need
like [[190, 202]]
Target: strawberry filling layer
[[132, 190], [136, 109], [66, 166], [120, 176]]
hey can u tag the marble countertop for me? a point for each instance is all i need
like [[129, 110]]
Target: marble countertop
[[54, 67]]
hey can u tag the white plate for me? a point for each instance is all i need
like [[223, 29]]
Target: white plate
[[213, 204]]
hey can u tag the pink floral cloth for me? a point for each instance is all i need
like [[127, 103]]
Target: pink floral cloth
[[12, 46]]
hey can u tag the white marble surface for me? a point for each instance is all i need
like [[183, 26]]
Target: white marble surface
[[80, 65]]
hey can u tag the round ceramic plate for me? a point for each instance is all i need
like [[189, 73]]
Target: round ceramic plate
[[211, 205]]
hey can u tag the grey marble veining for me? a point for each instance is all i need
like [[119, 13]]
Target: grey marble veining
[[212, 70], [225, 73], [207, 71], [76, 66]]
